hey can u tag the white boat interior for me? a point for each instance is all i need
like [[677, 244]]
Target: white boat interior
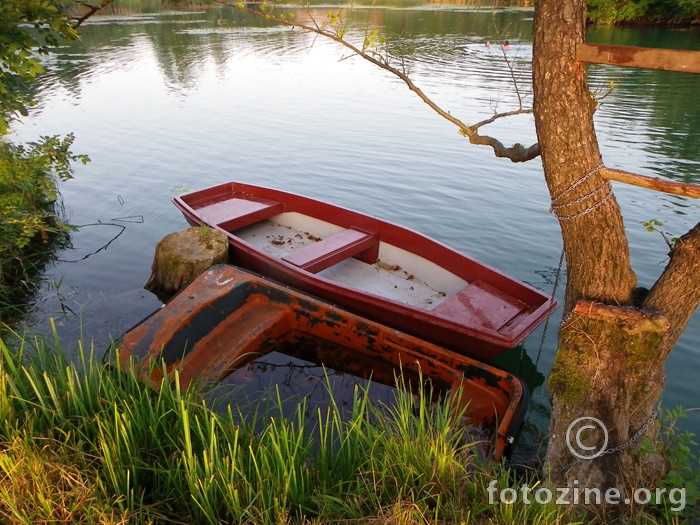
[[398, 274]]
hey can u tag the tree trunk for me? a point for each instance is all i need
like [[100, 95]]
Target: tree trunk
[[610, 359]]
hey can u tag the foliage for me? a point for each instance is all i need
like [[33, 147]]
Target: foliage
[[679, 452], [86, 443], [627, 11], [28, 28], [29, 213], [653, 225], [93, 444]]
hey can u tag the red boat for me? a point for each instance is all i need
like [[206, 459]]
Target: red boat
[[377, 269], [231, 328]]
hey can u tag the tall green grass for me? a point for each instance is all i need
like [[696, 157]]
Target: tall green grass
[[86, 443]]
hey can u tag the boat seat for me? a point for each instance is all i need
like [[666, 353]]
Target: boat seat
[[233, 214], [242, 333], [320, 255], [481, 304]]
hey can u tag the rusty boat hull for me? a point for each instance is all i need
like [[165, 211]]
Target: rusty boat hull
[[372, 267], [228, 319]]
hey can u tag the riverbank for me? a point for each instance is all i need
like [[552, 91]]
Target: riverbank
[[89, 443], [600, 12]]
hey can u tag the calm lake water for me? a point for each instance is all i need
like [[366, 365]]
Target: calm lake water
[[170, 102]]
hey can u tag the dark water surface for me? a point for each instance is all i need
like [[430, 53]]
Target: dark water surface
[[170, 102]]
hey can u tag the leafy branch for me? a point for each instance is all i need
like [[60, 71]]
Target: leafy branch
[[653, 225], [28, 29], [374, 50], [602, 92]]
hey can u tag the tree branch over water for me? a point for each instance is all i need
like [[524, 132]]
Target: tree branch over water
[[91, 10], [332, 29]]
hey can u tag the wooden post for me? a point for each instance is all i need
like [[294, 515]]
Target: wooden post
[[182, 256]]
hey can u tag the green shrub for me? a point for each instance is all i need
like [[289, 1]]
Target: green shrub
[[30, 218]]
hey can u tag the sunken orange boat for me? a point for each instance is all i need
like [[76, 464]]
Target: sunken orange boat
[[372, 267], [228, 325]]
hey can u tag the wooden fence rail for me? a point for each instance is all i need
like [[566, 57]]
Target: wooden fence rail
[[647, 58], [643, 57]]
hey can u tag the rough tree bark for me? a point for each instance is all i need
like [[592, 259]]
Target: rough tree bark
[[613, 340]]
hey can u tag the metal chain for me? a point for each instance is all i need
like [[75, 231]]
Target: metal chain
[[611, 450], [557, 276], [564, 323], [586, 211], [605, 186], [575, 184], [632, 439]]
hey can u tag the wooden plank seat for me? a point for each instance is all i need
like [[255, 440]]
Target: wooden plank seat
[[481, 303], [323, 254], [239, 212]]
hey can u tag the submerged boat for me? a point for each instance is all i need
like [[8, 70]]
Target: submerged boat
[[377, 269], [233, 328]]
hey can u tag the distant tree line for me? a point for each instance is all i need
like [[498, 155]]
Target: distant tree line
[[644, 11], [609, 12]]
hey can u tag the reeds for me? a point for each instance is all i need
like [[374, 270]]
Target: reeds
[[85, 443]]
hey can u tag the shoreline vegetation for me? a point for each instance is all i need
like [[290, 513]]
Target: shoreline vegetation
[[32, 223], [88, 443], [600, 12], [31, 219]]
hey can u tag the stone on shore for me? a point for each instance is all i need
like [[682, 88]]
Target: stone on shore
[[182, 256]]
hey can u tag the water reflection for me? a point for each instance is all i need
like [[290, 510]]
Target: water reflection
[[322, 376], [187, 45], [665, 120]]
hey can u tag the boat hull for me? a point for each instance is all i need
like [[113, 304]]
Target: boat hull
[[227, 318], [468, 306]]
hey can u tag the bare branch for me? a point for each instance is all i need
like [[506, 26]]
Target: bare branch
[[516, 153], [499, 115], [514, 78], [91, 10]]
